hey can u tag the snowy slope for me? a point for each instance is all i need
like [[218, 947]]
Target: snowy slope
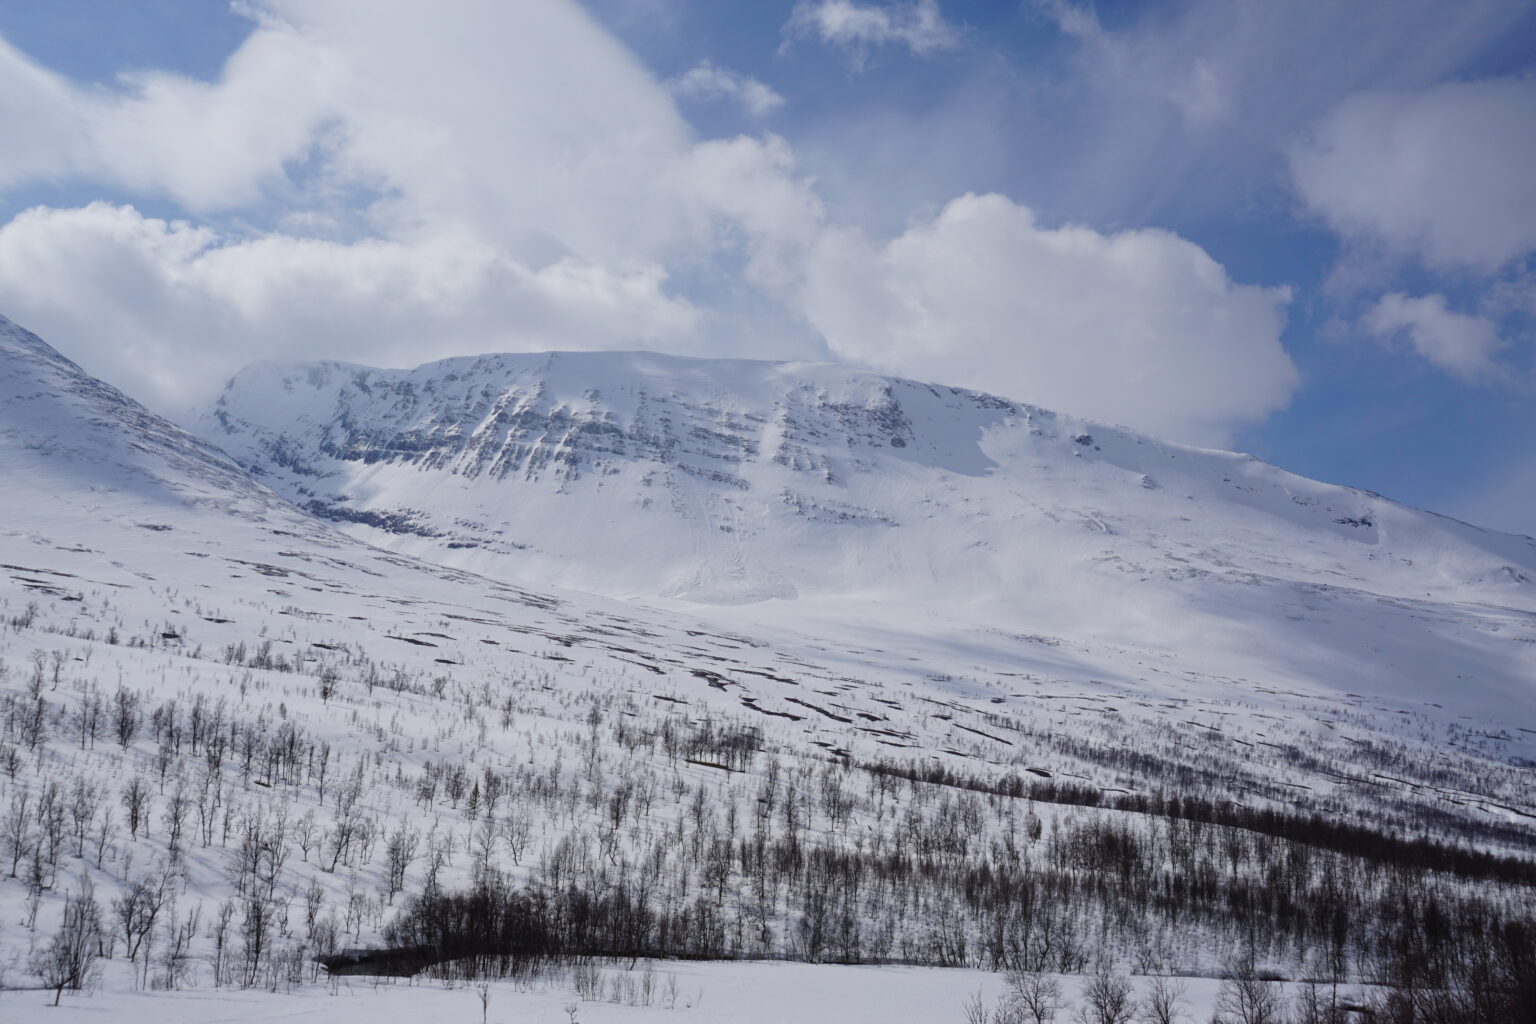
[[709, 993], [812, 493], [114, 517], [140, 564], [103, 498]]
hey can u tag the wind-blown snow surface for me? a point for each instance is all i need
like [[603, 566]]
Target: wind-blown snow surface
[[708, 993], [812, 492]]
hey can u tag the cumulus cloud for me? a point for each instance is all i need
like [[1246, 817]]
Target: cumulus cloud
[[365, 182], [208, 146], [164, 309], [709, 81], [1443, 174], [1458, 342], [769, 213], [427, 196], [859, 28], [435, 118], [1138, 327]]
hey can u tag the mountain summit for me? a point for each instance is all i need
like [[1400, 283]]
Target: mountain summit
[[815, 490], [727, 481]]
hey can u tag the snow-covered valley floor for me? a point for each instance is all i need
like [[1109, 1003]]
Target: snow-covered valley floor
[[706, 993]]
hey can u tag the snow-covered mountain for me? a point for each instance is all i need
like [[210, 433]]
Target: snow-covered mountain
[[882, 767], [114, 518], [818, 491]]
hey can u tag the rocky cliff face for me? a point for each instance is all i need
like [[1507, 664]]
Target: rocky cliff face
[[702, 463], [636, 473], [806, 492]]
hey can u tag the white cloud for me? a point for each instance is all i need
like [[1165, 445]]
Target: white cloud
[[509, 178], [36, 119], [709, 81], [1138, 327], [207, 146], [524, 124], [766, 209], [512, 179], [1459, 342], [858, 28], [164, 309], [214, 147], [1174, 109], [1444, 174], [526, 120]]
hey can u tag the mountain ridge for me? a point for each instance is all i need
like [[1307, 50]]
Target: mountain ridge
[[792, 492], [1108, 592], [528, 380], [174, 619], [475, 362]]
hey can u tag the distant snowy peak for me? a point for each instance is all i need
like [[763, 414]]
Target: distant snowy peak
[[48, 404], [63, 432], [733, 481]]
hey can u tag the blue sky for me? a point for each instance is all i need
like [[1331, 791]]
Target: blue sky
[[1303, 229]]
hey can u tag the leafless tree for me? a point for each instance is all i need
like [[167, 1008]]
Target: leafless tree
[[174, 819], [1245, 998], [125, 716], [136, 798], [327, 679], [307, 833], [136, 909], [1163, 1002], [32, 714], [69, 958], [106, 829], [16, 826], [84, 803], [343, 835], [1038, 995], [1311, 1005], [91, 710], [255, 936], [218, 931], [1106, 997], [399, 851], [976, 1011]]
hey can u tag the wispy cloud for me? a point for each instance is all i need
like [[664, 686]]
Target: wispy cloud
[[1186, 109], [710, 81], [1461, 343], [858, 28]]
